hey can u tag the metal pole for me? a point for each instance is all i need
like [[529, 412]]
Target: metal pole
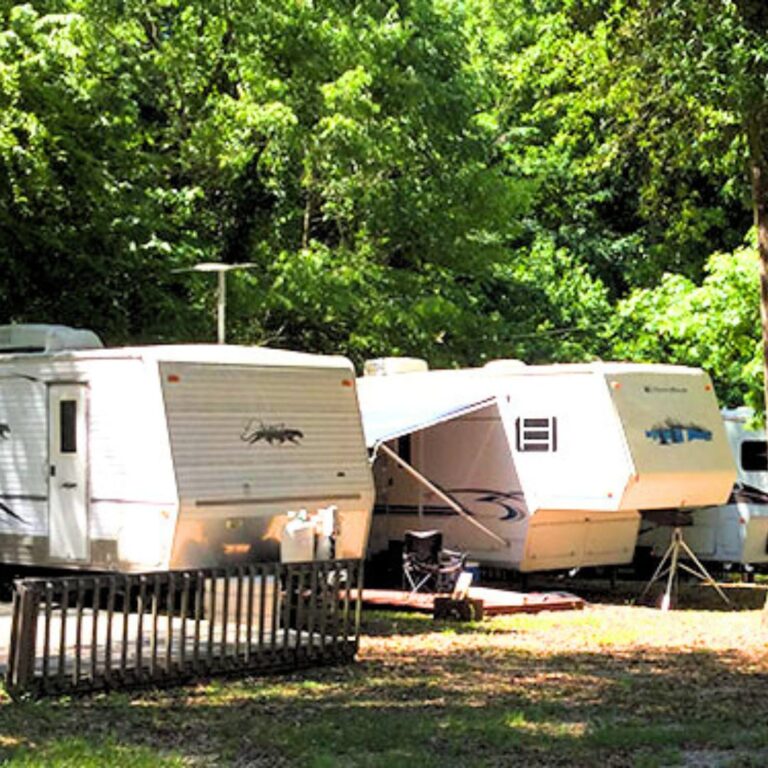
[[702, 572], [222, 305], [666, 601], [442, 494]]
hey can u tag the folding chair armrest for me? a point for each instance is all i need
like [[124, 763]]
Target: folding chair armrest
[[452, 557]]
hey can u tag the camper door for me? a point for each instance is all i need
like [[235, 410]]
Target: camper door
[[67, 468]]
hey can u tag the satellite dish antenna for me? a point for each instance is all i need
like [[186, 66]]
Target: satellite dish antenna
[[221, 295]]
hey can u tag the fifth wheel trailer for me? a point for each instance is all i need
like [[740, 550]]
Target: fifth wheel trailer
[[540, 467], [736, 532], [184, 456]]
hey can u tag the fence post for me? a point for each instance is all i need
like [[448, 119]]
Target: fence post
[[22, 651]]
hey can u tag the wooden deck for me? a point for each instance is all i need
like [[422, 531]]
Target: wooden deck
[[496, 602]]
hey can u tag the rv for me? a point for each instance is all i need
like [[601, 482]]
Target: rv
[[538, 468], [735, 533], [167, 457]]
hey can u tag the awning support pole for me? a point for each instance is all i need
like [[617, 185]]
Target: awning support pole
[[454, 505]]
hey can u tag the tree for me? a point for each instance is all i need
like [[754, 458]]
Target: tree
[[79, 235], [339, 151], [693, 81], [563, 91], [458, 181], [711, 325]]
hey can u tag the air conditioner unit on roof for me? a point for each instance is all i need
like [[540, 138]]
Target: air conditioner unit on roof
[[387, 366], [40, 338]]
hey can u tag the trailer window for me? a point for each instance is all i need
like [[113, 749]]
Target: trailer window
[[754, 456], [68, 426], [404, 448]]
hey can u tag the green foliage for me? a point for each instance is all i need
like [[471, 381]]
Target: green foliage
[[713, 325], [457, 181], [343, 154], [75, 238], [636, 171]]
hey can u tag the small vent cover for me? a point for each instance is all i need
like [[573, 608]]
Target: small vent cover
[[386, 366]]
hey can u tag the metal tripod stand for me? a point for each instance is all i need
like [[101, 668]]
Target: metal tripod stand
[[677, 546]]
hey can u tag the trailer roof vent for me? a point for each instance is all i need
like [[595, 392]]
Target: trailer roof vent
[[386, 366], [39, 338], [506, 365]]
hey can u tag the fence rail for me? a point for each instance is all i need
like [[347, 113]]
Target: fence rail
[[87, 633]]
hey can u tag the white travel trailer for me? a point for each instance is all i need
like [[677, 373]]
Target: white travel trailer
[[736, 532], [540, 467], [172, 456]]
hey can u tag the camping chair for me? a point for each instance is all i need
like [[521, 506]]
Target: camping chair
[[427, 566]]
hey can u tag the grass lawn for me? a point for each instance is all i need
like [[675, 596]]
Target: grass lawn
[[609, 686]]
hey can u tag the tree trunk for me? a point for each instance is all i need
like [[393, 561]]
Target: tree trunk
[[307, 222], [758, 166]]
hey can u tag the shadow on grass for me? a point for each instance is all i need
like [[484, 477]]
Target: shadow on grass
[[423, 703], [691, 594], [383, 623]]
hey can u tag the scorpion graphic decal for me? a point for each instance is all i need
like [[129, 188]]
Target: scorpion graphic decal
[[255, 431]]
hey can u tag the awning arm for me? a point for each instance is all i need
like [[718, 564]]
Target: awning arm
[[452, 503]]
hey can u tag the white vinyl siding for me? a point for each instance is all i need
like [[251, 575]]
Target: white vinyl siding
[[128, 449], [23, 457]]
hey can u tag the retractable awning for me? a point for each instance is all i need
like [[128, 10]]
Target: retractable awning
[[393, 407]]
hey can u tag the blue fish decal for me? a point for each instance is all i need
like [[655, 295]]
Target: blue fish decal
[[675, 433]]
